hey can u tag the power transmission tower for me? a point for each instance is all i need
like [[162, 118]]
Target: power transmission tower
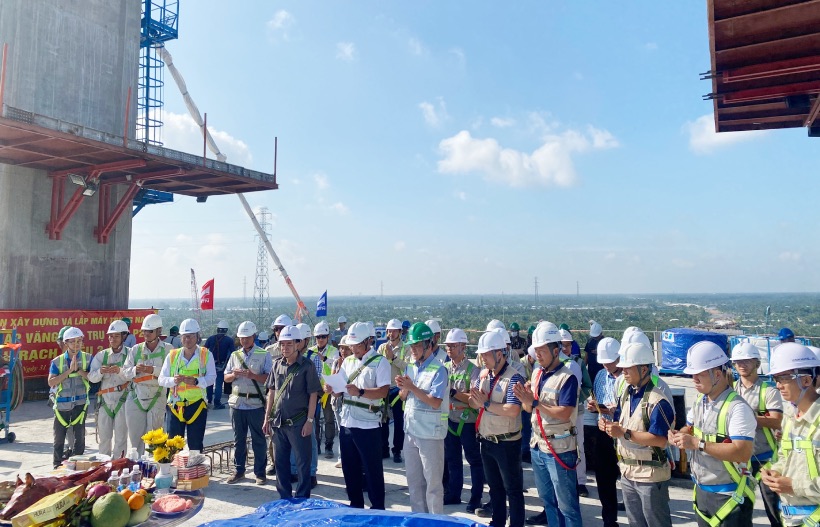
[[261, 290], [577, 288], [244, 290], [536, 290], [195, 308]]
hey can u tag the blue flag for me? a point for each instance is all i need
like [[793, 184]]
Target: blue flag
[[321, 306]]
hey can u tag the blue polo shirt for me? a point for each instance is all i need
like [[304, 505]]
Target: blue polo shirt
[[568, 394], [657, 424]]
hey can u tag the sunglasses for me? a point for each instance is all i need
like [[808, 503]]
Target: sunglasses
[[321, 336], [783, 379]]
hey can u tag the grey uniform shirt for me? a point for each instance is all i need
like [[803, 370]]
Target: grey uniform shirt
[[294, 398]]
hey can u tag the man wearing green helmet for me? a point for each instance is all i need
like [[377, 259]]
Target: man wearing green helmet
[[425, 389], [518, 344]]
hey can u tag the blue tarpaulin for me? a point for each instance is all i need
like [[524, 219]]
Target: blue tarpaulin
[[677, 341], [313, 512]]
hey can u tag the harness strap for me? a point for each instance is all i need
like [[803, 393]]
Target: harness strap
[[737, 498], [177, 410], [375, 408]]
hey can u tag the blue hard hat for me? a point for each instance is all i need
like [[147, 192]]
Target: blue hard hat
[[405, 324], [785, 333]]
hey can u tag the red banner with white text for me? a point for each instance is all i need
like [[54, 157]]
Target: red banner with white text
[[37, 331]]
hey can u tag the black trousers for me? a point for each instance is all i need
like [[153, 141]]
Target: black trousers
[[710, 502], [606, 473], [771, 500], [398, 425], [502, 470], [60, 432], [362, 460]]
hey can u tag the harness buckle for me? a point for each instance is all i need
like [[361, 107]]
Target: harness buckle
[[738, 498]]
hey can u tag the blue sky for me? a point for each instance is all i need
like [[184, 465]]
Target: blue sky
[[468, 147]]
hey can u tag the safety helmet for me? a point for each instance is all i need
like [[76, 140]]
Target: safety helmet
[[61, 334], [343, 341], [405, 324], [564, 326], [515, 327], [456, 336], [394, 323], [281, 320], [174, 330], [792, 356], [357, 332], [222, 324], [816, 351], [545, 333], [785, 333], [418, 333], [289, 333], [636, 354], [188, 326], [434, 326], [531, 330], [495, 324], [118, 326], [341, 319], [72, 333], [246, 329], [531, 352], [151, 322], [304, 330], [608, 350], [127, 321], [491, 341], [634, 337], [745, 350], [702, 356], [263, 336], [321, 329], [595, 329], [566, 336], [504, 335], [371, 328]]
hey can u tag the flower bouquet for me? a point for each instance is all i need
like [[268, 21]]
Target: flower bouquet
[[161, 447]]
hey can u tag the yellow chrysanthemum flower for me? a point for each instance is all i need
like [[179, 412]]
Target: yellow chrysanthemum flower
[[177, 442], [161, 454], [149, 436], [159, 439]]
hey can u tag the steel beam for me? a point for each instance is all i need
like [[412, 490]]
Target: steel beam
[[60, 215], [106, 222]]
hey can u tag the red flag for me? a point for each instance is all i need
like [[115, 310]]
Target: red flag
[[206, 296]]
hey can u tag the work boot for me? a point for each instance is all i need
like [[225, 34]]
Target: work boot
[[582, 491], [236, 477], [271, 470], [397, 457], [485, 511], [261, 480], [538, 519]]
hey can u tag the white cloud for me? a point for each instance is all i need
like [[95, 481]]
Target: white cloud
[[460, 194], [215, 248], [321, 181], [704, 140], [280, 23], [340, 207], [789, 256], [551, 164], [416, 47], [346, 51], [434, 114], [502, 122], [180, 132], [399, 246]]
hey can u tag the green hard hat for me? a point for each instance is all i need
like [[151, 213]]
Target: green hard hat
[[62, 332], [174, 329], [531, 330], [126, 320], [419, 332], [514, 326], [564, 326]]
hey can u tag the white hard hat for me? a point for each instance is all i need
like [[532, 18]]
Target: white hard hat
[[531, 352], [792, 356], [816, 351], [635, 337], [263, 336], [504, 335], [566, 336], [222, 324], [304, 330], [290, 333], [545, 334], [456, 336], [341, 319], [491, 341], [632, 329], [371, 328], [702, 356], [118, 326], [321, 329], [151, 322], [246, 329], [434, 326], [282, 320], [595, 329], [608, 350], [188, 326], [745, 350], [343, 341], [636, 354], [357, 332], [394, 323], [72, 333], [495, 324]]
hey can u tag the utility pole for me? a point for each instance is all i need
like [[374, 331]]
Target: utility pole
[[244, 290], [577, 288], [261, 289], [381, 284], [195, 308]]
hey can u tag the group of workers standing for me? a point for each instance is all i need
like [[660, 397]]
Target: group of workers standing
[[523, 400]]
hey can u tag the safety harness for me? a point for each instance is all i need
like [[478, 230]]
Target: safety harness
[[659, 457], [178, 407], [375, 408], [546, 438], [61, 366], [464, 376], [119, 388], [742, 491], [143, 356], [807, 447]]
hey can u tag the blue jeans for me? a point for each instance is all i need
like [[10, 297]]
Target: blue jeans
[[245, 421], [557, 487]]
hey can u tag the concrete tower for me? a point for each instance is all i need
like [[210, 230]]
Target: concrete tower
[[72, 60]]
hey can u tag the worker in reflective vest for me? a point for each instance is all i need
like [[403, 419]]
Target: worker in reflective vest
[[188, 371], [68, 373], [144, 411], [461, 425], [107, 369], [425, 389], [795, 475], [767, 405], [396, 353], [720, 434], [327, 353]]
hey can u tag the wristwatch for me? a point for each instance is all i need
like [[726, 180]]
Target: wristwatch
[[628, 435], [702, 445], [310, 419], [487, 405], [361, 392]]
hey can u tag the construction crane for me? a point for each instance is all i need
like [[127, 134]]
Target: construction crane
[[195, 307]]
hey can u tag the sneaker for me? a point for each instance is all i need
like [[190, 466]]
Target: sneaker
[[261, 480], [538, 519], [236, 477], [397, 458], [271, 470], [338, 464], [314, 482], [582, 491], [485, 511]]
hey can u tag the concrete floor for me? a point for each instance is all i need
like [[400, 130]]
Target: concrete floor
[[32, 423]]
